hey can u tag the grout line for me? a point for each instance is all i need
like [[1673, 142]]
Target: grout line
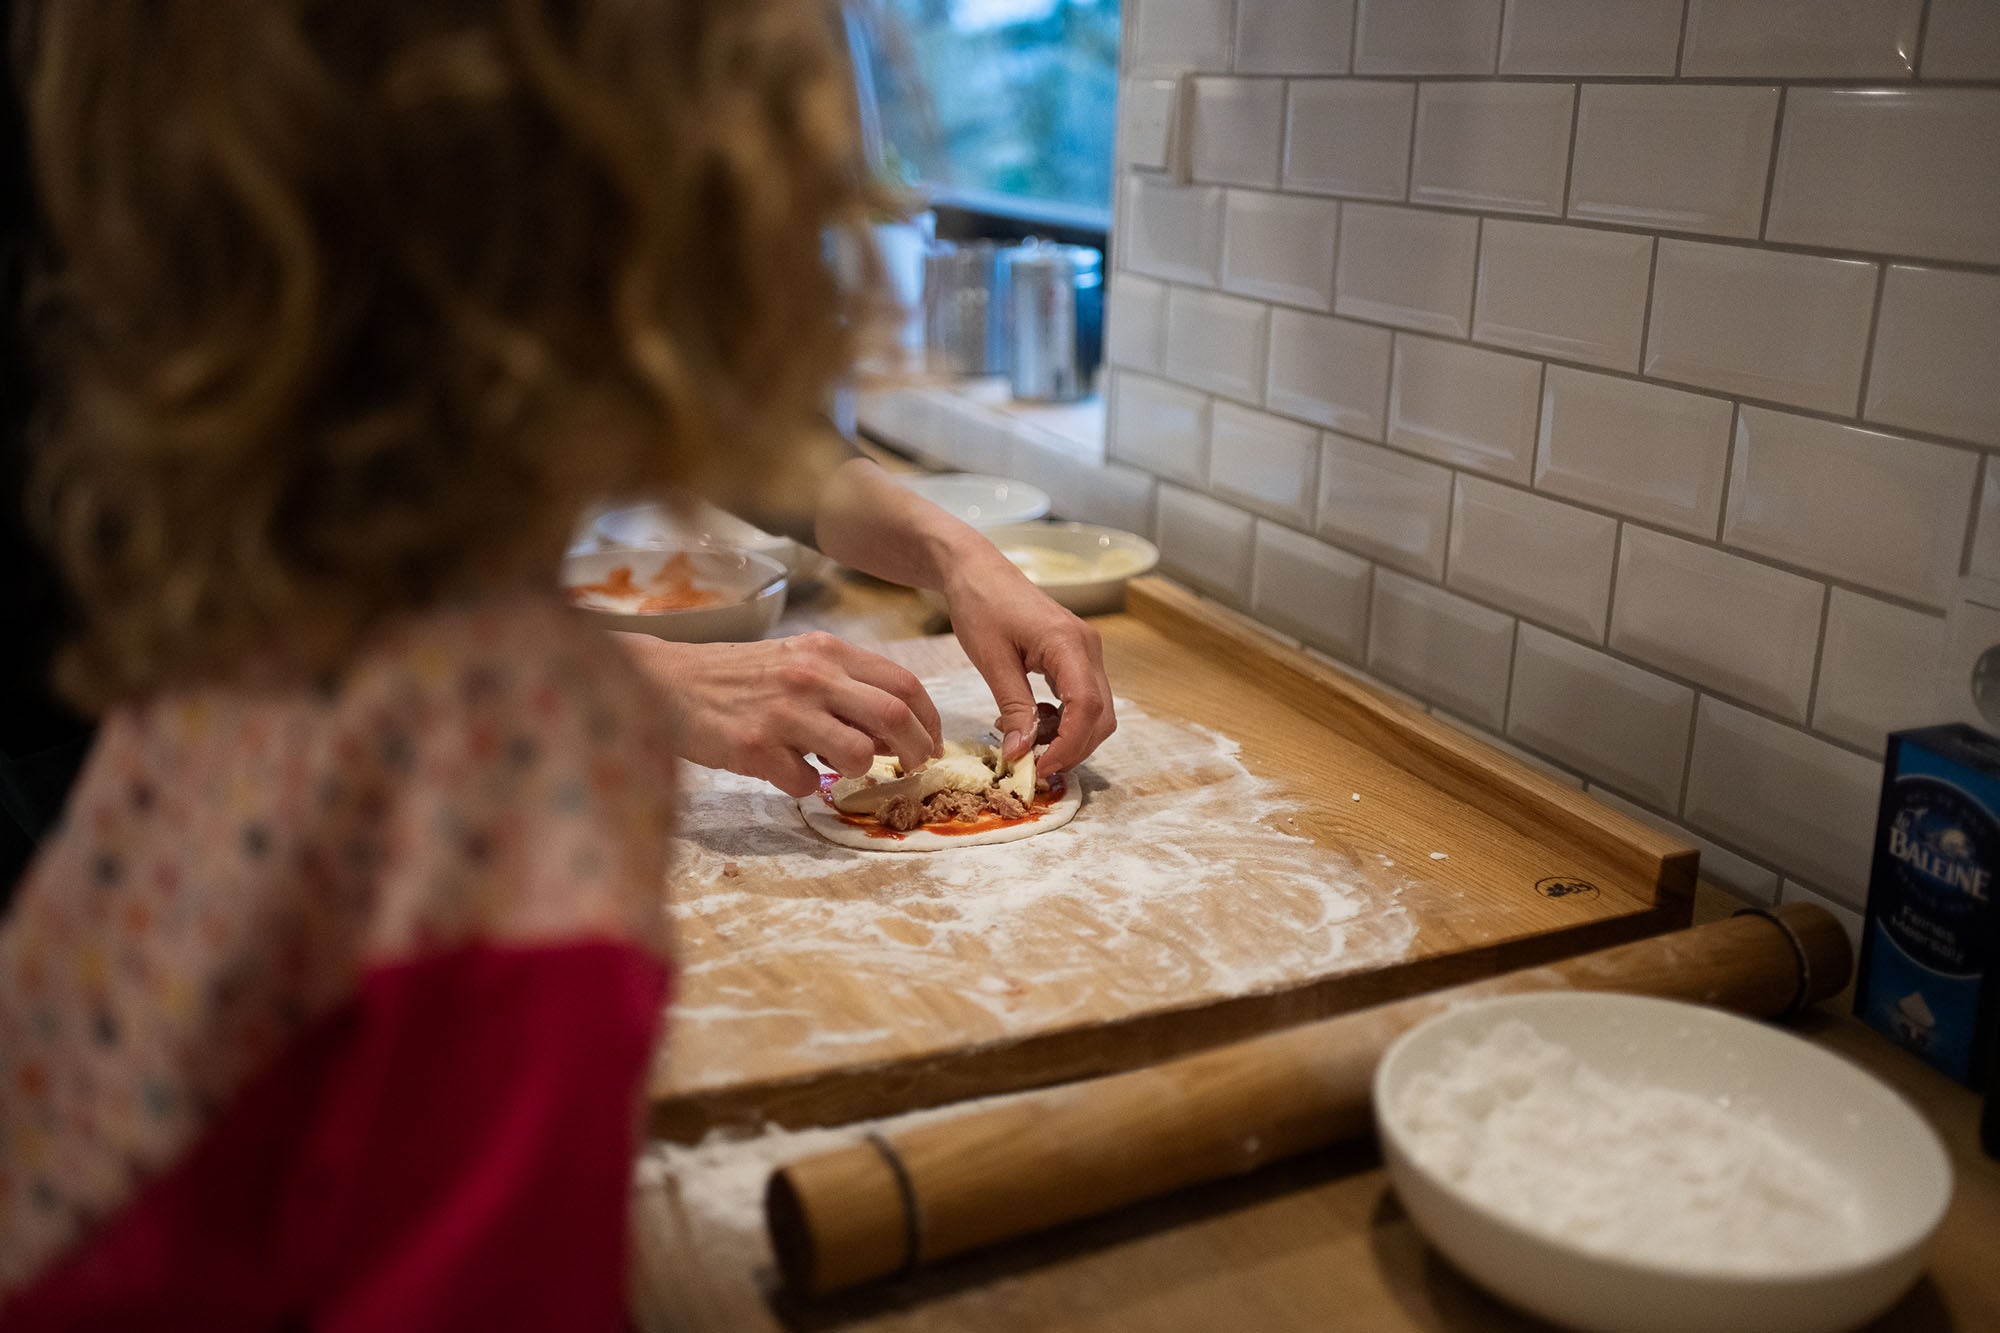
[[1728, 471], [1971, 543], [1771, 170], [1478, 272], [1819, 656], [1646, 319], [1569, 158], [1611, 592], [1513, 659], [1680, 50], [1353, 33], [1868, 348], [1450, 528], [1410, 157], [1923, 35], [1679, 811], [1613, 372]]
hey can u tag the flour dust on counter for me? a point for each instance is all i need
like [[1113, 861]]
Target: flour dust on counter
[[1143, 901]]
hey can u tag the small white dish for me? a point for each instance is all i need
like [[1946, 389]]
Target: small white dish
[[1849, 1120], [1083, 566], [751, 587], [653, 524], [984, 502]]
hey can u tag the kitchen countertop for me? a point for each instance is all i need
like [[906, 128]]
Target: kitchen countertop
[[1314, 1243]]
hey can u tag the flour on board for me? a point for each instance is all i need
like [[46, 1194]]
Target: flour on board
[[1145, 900]]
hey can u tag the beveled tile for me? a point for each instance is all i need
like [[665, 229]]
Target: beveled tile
[[1501, 147], [1786, 327], [1386, 505], [1912, 172], [1571, 292], [1937, 346], [1962, 40], [1426, 36], [1293, 36], [1216, 342], [1172, 231], [1801, 39], [1453, 652], [1673, 157], [1280, 248], [1237, 126], [1313, 591], [1878, 670], [1159, 426], [1536, 557], [1263, 463], [1205, 543], [1602, 716], [1879, 510], [1181, 35], [1329, 371], [1136, 332], [1591, 37], [1407, 266], [1645, 450], [1717, 619], [1349, 137], [1465, 405]]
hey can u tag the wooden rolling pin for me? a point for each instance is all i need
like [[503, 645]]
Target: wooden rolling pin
[[884, 1206]]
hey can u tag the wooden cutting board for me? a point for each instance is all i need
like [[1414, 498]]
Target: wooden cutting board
[[1266, 840]]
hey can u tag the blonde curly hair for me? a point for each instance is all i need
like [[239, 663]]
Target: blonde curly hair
[[353, 307]]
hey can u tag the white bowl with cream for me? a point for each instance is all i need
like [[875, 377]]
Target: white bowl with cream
[[1081, 565], [1629, 1163]]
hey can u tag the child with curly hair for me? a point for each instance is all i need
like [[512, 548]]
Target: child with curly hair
[[331, 998]]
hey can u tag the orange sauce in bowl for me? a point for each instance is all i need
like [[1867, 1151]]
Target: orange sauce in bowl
[[671, 588]]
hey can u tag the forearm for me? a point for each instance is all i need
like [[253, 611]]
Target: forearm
[[868, 522]]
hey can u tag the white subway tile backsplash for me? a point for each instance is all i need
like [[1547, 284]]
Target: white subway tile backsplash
[[1205, 543], [1465, 405], [1641, 449], [1426, 36], [1540, 763], [1160, 427], [1137, 332], [1216, 342], [1349, 137], [1329, 371], [1591, 37], [1875, 509], [1962, 40], [1792, 328], [1179, 35], [1801, 803], [1383, 504], [1913, 172], [1086, 491], [1293, 36], [1602, 716], [1148, 123], [1446, 648], [1172, 231], [1877, 673], [1937, 346], [1236, 127], [1675, 157], [1738, 874], [1498, 146], [1801, 38], [1280, 248], [1263, 463], [1719, 620], [1537, 557], [1571, 292], [1311, 590], [1407, 266]]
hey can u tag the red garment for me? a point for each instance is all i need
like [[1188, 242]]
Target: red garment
[[451, 1150]]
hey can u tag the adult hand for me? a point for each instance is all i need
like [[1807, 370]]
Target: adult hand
[[760, 708], [1009, 627]]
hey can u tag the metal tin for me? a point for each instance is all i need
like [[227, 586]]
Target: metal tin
[[966, 310], [1058, 323]]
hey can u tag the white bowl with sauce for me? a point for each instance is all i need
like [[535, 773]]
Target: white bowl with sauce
[[701, 524], [1877, 1150], [1081, 565], [731, 595]]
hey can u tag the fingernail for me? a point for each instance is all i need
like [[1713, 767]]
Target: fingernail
[[1013, 743]]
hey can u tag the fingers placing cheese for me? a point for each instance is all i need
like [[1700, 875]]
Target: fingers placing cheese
[[962, 767]]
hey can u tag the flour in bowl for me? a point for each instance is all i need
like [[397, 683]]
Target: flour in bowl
[[1624, 1169]]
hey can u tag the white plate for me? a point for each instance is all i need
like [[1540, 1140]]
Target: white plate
[[1849, 1120], [982, 501], [642, 525], [753, 587]]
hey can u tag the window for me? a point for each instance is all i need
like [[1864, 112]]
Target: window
[[998, 107]]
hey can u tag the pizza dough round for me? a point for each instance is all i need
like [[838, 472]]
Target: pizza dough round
[[824, 820]]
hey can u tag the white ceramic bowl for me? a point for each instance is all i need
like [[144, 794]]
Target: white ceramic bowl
[[1081, 565], [640, 525], [752, 585], [1850, 1120], [984, 502]]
